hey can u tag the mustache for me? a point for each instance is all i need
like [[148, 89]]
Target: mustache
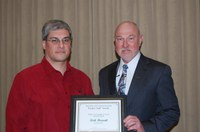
[[125, 49]]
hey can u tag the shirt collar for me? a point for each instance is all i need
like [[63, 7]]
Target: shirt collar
[[132, 63], [48, 68]]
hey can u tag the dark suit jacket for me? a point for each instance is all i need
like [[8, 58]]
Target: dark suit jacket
[[151, 95]]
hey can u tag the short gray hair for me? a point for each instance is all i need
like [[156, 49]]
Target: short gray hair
[[52, 25]]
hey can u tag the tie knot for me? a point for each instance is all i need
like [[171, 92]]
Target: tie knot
[[125, 67]]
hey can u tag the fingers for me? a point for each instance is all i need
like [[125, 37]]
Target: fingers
[[130, 122], [133, 123]]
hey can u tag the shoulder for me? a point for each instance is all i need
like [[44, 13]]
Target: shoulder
[[79, 73], [31, 71], [27, 76], [152, 62], [153, 65], [110, 67]]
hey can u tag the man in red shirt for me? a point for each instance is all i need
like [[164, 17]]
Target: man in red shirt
[[39, 100]]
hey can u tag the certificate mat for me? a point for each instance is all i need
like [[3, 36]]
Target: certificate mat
[[97, 113]]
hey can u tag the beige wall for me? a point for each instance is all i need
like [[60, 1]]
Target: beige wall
[[171, 34]]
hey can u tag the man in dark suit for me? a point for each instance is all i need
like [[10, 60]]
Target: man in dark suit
[[152, 105]]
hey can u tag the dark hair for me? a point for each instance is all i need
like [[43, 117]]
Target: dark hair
[[54, 25]]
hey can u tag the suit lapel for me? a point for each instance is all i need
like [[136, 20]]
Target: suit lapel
[[112, 78], [138, 77]]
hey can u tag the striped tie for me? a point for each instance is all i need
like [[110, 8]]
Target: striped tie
[[122, 81]]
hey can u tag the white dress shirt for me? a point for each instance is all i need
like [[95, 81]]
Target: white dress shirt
[[130, 71]]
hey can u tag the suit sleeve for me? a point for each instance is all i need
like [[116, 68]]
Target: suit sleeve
[[168, 112]]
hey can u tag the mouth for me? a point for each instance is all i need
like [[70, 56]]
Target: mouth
[[60, 52], [125, 50]]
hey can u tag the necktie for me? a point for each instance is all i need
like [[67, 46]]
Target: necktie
[[122, 81]]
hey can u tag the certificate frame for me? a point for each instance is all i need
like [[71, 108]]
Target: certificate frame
[[97, 113]]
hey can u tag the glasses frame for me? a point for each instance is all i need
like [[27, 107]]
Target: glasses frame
[[55, 40]]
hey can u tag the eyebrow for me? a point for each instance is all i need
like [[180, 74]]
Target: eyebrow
[[58, 38], [128, 36]]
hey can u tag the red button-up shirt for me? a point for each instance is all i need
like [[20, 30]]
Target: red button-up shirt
[[39, 100]]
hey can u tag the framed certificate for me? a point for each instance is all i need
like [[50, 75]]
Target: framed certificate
[[97, 113]]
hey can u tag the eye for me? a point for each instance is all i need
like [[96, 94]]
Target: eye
[[54, 40], [66, 40], [131, 38], [119, 39]]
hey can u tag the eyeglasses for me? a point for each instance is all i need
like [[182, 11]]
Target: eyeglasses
[[128, 39], [55, 40]]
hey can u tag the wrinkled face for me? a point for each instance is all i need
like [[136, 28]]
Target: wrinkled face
[[127, 41], [57, 46]]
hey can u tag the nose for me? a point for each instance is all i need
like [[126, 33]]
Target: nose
[[125, 43], [61, 44]]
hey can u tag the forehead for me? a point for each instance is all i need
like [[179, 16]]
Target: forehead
[[59, 32], [126, 29]]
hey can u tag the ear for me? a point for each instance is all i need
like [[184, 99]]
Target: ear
[[44, 44], [114, 43], [141, 40]]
